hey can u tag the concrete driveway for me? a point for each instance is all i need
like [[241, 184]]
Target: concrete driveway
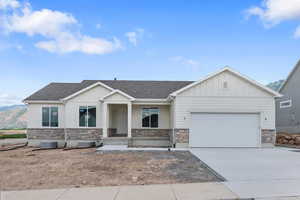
[[252, 172]]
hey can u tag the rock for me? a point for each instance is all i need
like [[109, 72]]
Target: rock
[[297, 140], [287, 137], [291, 142], [135, 178]]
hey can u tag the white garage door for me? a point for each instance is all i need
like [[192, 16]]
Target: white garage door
[[224, 130]]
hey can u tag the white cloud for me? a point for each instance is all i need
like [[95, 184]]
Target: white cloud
[[60, 28], [185, 61], [5, 4], [83, 44], [7, 100], [134, 36], [273, 12]]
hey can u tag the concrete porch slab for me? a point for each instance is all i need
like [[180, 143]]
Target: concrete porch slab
[[126, 148]]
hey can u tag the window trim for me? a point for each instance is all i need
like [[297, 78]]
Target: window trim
[[87, 121], [150, 118], [49, 126], [286, 106]]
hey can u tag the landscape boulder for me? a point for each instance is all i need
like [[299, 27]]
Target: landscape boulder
[[288, 139]]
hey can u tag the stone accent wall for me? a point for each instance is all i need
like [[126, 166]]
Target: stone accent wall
[[45, 134], [268, 136], [84, 133], [151, 132], [181, 135], [288, 139], [111, 132]]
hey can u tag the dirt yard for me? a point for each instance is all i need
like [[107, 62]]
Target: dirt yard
[[26, 169]]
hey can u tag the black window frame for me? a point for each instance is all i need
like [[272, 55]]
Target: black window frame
[[52, 118], [87, 122], [149, 112]]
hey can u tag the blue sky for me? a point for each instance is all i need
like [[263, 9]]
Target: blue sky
[[143, 40]]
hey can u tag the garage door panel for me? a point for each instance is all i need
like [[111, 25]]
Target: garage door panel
[[224, 130]]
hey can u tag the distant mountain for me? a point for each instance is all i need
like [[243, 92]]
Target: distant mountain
[[14, 116], [275, 85]]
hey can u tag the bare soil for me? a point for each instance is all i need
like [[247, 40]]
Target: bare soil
[[26, 169]]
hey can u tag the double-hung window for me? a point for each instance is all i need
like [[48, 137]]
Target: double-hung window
[[150, 117], [87, 116], [50, 116]]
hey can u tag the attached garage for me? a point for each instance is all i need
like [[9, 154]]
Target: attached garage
[[225, 109], [225, 130]]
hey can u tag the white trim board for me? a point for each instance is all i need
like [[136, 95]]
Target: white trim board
[[120, 92]]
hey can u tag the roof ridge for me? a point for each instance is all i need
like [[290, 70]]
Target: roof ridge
[[142, 80]]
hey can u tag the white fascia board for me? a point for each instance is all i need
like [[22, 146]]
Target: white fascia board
[[42, 102], [266, 89], [86, 89], [154, 100], [151, 102], [120, 92]]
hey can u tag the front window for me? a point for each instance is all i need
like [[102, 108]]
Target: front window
[[50, 117], [150, 117], [87, 116]]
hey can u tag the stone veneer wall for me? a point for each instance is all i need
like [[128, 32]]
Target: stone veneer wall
[[111, 132], [268, 136], [84, 133], [45, 134], [181, 135], [151, 132]]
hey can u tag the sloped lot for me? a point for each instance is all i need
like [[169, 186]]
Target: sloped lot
[[255, 172]]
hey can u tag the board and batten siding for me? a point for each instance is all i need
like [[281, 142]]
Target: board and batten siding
[[35, 115], [240, 96]]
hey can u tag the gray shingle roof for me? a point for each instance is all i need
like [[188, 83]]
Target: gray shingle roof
[[136, 89]]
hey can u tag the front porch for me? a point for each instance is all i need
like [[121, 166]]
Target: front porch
[[124, 124]]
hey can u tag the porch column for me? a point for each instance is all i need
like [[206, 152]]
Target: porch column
[[129, 111], [105, 119]]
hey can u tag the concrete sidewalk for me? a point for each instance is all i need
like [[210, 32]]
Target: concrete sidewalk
[[192, 191]]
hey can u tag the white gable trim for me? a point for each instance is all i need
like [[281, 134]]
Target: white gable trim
[[264, 88], [290, 75], [86, 89], [120, 92], [42, 102]]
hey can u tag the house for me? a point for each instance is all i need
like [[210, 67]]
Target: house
[[288, 107], [225, 109]]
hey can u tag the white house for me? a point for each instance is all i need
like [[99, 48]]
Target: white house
[[225, 109]]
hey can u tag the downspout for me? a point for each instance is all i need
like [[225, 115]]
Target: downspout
[[65, 132], [172, 98]]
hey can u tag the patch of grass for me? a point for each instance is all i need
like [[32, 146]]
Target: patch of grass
[[12, 136]]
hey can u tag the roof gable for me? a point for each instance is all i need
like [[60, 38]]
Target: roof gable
[[86, 89], [291, 74], [117, 95], [235, 73]]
